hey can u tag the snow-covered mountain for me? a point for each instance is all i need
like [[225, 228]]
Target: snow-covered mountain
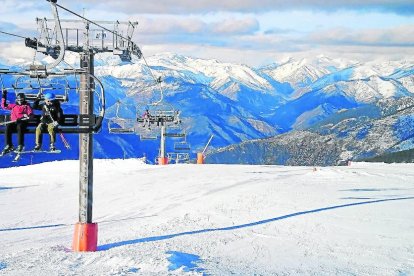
[[355, 134], [237, 103]]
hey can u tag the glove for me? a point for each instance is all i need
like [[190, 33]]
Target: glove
[[25, 117], [55, 124], [4, 94]]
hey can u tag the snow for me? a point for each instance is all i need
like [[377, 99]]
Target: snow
[[211, 219]]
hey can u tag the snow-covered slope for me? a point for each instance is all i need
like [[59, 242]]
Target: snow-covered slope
[[210, 220]]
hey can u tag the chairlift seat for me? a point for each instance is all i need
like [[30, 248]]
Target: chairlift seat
[[175, 135], [181, 146], [121, 126], [70, 123], [143, 137], [122, 130], [178, 156]]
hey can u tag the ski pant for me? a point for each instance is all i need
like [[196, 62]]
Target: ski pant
[[50, 130], [20, 128]]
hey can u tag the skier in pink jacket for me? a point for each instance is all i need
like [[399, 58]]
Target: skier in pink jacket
[[20, 114]]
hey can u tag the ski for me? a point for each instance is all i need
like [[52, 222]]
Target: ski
[[40, 151], [6, 154], [19, 154], [17, 157]]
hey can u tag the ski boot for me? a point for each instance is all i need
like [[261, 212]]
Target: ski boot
[[7, 149], [37, 147], [19, 149], [52, 147]]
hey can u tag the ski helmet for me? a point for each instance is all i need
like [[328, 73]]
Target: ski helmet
[[20, 98], [50, 96]]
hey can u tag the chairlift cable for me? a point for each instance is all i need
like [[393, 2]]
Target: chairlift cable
[[13, 34]]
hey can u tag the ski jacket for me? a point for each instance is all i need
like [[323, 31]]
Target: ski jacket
[[146, 115], [17, 111], [50, 113]]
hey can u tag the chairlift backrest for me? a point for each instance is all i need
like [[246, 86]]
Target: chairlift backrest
[[181, 146], [32, 88]]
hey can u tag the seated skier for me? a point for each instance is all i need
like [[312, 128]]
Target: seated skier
[[146, 117], [51, 116], [20, 114]]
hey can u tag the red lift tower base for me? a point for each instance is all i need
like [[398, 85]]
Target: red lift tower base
[[85, 237], [162, 160], [200, 158]]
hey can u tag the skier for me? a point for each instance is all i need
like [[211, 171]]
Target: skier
[[51, 116], [146, 117], [177, 119], [20, 114]]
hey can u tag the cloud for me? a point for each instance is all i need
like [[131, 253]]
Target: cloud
[[404, 7], [195, 26], [16, 52], [236, 26], [400, 36]]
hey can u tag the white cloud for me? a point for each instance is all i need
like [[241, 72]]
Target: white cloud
[[191, 6], [232, 30], [402, 36], [236, 26], [16, 52]]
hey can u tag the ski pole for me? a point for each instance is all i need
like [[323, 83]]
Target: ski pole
[[65, 142], [9, 122]]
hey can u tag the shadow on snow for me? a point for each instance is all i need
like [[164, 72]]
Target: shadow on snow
[[164, 237], [31, 227]]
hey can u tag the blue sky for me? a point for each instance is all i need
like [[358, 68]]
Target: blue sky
[[240, 31]]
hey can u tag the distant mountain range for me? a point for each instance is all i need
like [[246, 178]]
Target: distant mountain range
[[362, 133], [264, 115]]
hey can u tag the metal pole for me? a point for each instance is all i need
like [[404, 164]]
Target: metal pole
[[86, 141], [162, 146]]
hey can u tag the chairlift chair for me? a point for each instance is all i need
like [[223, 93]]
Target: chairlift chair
[[148, 135], [160, 114], [70, 123], [181, 145], [120, 125], [178, 157]]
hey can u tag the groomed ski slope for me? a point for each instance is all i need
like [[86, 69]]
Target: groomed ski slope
[[211, 219]]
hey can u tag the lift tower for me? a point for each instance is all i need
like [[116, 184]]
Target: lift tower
[[87, 38]]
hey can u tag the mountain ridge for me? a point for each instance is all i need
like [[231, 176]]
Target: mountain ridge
[[236, 102]]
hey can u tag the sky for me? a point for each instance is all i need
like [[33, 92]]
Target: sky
[[244, 31]]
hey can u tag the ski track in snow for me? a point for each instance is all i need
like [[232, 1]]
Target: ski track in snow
[[210, 219]]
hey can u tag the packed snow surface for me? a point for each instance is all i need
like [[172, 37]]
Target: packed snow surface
[[210, 219]]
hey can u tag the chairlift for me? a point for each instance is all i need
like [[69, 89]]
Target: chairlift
[[181, 145], [178, 157], [148, 134], [175, 134], [120, 125], [160, 114], [70, 123]]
